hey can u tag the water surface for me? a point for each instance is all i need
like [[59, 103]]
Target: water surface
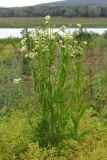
[[16, 32]]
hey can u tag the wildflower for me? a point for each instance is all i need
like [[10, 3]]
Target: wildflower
[[69, 48], [78, 25], [63, 46], [26, 55], [40, 32], [52, 37], [31, 55], [16, 81], [36, 42], [60, 41], [46, 22], [85, 42], [23, 49], [36, 53], [72, 55], [35, 39], [31, 35], [47, 17], [45, 49], [23, 41], [75, 42], [63, 28], [74, 52], [69, 37]]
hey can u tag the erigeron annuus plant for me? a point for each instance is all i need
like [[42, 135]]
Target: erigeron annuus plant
[[50, 55], [78, 103]]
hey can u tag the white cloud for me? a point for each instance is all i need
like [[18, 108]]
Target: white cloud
[[13, 3]]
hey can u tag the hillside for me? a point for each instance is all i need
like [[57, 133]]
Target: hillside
[[64, 8], [76, 3]]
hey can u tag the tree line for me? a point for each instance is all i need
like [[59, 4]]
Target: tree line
[[36, 11]]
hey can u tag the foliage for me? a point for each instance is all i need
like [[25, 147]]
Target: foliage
[[96, 74], [10, 68], [16, 140], [15, 135], [66, 11]]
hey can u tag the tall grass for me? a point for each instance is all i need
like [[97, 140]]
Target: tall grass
[[10, 68]]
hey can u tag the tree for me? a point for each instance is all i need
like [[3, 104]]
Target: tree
[[70, 12], [82, 11], [94, 11], [104, 11]]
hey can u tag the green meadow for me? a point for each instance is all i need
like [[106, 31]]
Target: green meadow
[[31, 22]]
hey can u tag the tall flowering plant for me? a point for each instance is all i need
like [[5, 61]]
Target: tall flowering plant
[[50, 54]]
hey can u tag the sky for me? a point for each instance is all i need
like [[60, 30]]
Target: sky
[[19, 3]]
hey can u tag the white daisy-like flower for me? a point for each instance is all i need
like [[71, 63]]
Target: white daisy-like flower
[[69, 36], [75, 42], [63, 28], [31, 55], [26, 55], [85, 42], [78, 25], [31, 35], [47, 18], [46, 22], [16, 81], [24, 49], [23, 41]]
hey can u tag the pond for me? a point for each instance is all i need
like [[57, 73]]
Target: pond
[[16, 32]]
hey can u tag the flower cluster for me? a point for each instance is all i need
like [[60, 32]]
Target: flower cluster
[[79, 25], [44, 38], [47, 18], [30, 55], [16, 81], [63, 28]]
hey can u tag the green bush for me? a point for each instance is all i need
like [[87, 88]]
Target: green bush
[[6, 53], [15, 134], [17, 141]]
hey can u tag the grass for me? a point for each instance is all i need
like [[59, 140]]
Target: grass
[[23, 22]]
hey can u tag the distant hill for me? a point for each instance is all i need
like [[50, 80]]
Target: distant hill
[[76, 3], [65, 8]]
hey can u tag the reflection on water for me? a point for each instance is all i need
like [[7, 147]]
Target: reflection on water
[[16, 32]]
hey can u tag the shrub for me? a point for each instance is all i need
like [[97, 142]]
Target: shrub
[[15, 135]]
